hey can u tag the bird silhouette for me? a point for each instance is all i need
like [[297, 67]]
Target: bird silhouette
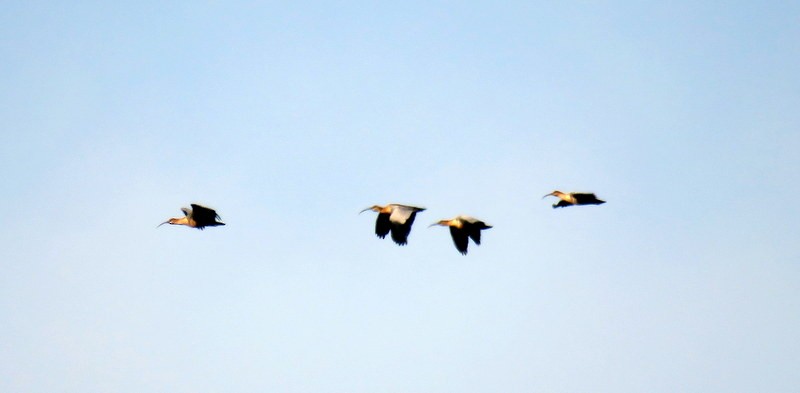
[[463, 228], [574, 198], [197, 217], [394, 218]]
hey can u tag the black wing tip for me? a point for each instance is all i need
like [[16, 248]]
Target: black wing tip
[[402, 241], [213, 224], [205, 208]]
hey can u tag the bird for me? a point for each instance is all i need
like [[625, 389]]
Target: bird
[[394, 218], [574, 198], [197, 217], [462, 228]]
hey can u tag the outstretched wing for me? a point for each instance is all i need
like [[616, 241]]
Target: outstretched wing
[[402, 213], [475, 234], [473, 227], [561, 204], [204, 216], [587, 199], [400, 231], [459, 239], [382, 225]]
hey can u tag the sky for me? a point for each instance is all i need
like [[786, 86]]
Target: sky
[[289, 118]]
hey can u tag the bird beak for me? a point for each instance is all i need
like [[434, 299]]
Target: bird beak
[[165, 222], [550, 194], [433, 225], [369, 208]]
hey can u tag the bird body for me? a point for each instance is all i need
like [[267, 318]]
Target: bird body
[[463, 228], [574, 198], [197, 217], [395, 219]]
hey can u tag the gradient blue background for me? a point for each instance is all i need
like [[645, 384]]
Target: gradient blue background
[[290, 117]]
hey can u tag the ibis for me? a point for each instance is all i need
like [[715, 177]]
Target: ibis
[[462, 228], [197, 217], [394, 218], [574, 198]]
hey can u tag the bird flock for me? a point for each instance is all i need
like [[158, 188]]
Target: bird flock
[[397, 219]]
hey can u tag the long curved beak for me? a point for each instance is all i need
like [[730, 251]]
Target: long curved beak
[[550, 194], [433, 225], [369, 208], [165, 222]]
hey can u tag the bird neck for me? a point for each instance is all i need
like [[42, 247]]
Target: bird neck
[[181, 221], [565, 197]]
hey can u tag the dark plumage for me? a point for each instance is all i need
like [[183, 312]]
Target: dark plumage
[[463, 228], [197, 217], [395, 219], [574, 198]]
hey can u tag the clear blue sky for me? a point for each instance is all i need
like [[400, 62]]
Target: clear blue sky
[[289, 118]]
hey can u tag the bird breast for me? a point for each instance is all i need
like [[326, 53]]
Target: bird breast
[[567, 198]]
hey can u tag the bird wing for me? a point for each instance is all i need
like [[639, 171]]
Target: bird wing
[[186, 211], [382, 225], [204, 216], [473, 227], [459, 239], [469, 220], [475, 234], [401, 213], [400, 231], [561, 203], [586, 199]]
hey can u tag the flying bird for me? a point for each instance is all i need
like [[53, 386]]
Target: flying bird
[[396, 219], [462, 228], [197, 217], [574, 198]]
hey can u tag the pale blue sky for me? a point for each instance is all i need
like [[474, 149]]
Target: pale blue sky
[[289, 118]]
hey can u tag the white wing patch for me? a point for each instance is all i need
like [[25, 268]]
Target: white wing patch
[[400, 214], [468, 219]]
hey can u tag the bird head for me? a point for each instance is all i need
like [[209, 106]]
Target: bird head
[[374, 208], [171, 221], [443, 223], [554, 193]]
